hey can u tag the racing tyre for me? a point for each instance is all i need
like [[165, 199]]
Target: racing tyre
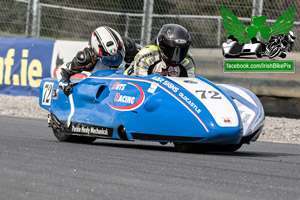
[[72, 138], [259, 54], [163, 143], [283, 55], [274, 52]]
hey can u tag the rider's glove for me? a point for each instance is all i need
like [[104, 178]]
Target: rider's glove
[[67, 88], [160, 68]]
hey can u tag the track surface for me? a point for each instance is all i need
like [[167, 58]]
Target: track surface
[[34, 165]]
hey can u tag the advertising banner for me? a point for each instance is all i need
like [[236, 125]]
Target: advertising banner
[[23, 64], [63, 52]]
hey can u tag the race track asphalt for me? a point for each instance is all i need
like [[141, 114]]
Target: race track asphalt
[[34, 165]]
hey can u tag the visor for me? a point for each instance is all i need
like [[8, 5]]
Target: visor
[[175, 54], [112, 61]]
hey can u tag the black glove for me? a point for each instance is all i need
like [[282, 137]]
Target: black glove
[[84, 60], [67, 87]]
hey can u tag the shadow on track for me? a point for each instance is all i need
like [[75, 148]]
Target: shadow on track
[[134, 145], [239, 153]]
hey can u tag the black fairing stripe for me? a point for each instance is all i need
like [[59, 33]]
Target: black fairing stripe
[[142, 136]]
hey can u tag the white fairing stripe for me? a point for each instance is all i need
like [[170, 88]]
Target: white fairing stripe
[[72, 110], [216, 103], [240, 92], [247, 116]]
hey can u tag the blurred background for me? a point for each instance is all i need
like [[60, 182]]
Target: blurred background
[[142, 19], [139, 19]]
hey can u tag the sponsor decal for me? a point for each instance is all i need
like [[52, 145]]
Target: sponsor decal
[[124, 98], [88, 129], [244, 115], [226, 120], [55, 93], [171, 86], [47, 93], [160, 80], [175, 89], [118, 86], [189, 102], [247, 115], [126, 102], [153, 87], [166, 83], [190, 82], [180, 41]]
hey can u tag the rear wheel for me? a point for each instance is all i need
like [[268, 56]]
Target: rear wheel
[[72, 138], [274, 52]]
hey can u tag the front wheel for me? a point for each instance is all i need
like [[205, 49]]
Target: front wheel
[[72, 138], [259, 54]]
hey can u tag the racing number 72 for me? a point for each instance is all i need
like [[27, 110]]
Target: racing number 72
[[215, 94], [47, 93]]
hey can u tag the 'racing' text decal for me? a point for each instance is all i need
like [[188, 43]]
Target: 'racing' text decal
[[126, 102]]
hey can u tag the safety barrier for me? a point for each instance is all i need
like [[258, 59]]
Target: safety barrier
[[25, 62]]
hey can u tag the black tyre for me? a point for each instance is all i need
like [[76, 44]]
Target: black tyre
[[274, 52], [72, 138], [283, 55], [163, 143], [259, 54]]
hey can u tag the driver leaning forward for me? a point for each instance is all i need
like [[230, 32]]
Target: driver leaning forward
[[107, 50], [169, 57]]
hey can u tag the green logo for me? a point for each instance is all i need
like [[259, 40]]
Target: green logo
[[235, 27], [270, 66]]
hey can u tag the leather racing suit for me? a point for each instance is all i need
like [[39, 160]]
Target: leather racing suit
[[148, 61], [85, 61]]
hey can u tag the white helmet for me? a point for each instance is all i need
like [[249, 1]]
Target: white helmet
[[108, 46], [292, 36]]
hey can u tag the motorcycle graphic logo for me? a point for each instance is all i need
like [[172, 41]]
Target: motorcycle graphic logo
[[257, 38], [126, 100]]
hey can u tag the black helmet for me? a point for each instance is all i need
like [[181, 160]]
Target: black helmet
[[130, 49], [173, 42]]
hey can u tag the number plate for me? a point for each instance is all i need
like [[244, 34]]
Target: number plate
[[47, 91]]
